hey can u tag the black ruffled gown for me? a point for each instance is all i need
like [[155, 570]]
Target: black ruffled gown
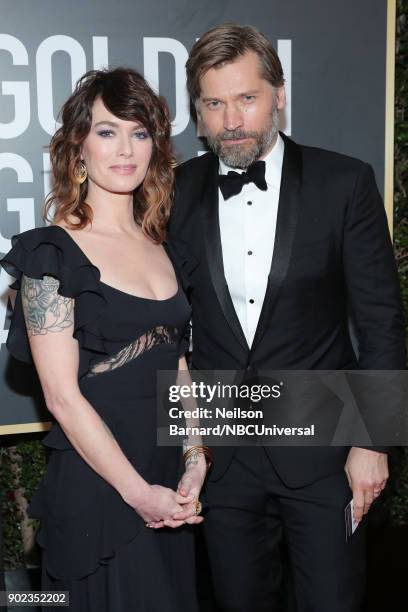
[[94, 544]]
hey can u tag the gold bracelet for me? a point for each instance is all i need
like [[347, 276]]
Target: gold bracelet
[[204, 450]]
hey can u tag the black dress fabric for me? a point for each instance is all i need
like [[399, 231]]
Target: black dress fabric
[[94, 544]]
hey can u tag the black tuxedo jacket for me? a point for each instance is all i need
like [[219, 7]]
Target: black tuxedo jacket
[[332, 257]]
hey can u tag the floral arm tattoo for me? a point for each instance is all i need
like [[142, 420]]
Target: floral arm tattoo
[[45, 310]]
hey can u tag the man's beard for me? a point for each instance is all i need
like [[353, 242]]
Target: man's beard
[[243, 155]]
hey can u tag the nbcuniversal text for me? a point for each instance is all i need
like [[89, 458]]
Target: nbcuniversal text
[[237, 430]]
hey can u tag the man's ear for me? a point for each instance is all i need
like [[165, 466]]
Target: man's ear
[[198, 110], [200, 125], [281, 97]]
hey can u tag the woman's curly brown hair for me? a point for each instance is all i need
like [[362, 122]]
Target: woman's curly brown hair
[[126, 94]]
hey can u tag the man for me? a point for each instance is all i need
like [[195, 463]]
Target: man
[[275, 262]]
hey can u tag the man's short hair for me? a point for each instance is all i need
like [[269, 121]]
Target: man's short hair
[[226, 43]]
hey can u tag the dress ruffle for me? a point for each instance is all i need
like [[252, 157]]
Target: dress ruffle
[[49, 251], [87, 528], [84, 520]]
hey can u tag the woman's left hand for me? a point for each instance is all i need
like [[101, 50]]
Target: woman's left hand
[[190, 484]]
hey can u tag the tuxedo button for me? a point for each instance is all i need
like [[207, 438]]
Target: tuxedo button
[[249, 203], [251, 301], [249, 252]]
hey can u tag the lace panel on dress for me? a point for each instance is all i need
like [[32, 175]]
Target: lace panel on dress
[[162, 334]]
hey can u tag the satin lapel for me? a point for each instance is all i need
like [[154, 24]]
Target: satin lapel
[[285, 231], [212, 236]]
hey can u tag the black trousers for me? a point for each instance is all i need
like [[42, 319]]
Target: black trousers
[[250, 510]]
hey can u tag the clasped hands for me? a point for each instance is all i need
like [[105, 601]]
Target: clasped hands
[[163, 507], [367, 474]]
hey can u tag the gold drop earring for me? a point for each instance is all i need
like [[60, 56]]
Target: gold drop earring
[[81, 172]]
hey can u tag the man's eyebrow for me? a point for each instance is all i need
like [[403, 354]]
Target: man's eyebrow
[[250, 92]]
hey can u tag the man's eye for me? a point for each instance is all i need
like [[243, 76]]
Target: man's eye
[[105, 133], [249, 98], [213, 104]]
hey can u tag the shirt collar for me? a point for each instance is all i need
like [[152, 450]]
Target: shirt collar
[[273, 161]]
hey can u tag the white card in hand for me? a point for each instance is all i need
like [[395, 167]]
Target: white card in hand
[[351, 523]]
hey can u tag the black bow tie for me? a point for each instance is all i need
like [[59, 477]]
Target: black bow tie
[[231, 184]]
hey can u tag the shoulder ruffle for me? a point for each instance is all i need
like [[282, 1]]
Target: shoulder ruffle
[[51, 251]]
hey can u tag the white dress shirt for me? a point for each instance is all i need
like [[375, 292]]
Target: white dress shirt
[[247, 226]]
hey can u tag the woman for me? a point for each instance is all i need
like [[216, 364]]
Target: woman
[[100, 309]]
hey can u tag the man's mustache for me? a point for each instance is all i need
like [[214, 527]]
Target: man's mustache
[[236, 135]]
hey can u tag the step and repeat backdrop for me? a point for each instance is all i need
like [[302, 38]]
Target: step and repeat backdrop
[[338, 64]]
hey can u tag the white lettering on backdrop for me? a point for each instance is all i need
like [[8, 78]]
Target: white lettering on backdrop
[[45, 81]]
